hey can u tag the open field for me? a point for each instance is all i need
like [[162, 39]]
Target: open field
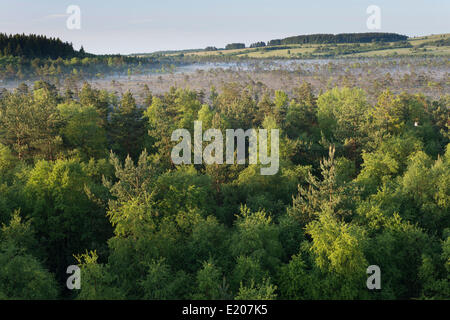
[[418, 46]]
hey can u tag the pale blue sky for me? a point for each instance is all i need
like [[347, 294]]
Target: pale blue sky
[[113, 26]]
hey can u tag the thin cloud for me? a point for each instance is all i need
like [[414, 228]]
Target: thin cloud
[[55, 16]]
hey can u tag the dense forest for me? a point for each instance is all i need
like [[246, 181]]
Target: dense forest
[[322, 38], [36, 46], [19, 68], [38, 57], [86, 178]]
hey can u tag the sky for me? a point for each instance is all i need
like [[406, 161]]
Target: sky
[[138, 26]]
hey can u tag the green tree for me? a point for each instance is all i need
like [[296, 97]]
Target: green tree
[[208, 282], [82, 129], [65, 218], [126, 128]]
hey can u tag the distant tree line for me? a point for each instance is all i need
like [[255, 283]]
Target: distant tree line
[[38, 57], [235, 46], [340, 38], [438, 43], [322, 39], [258, 44], [36, 46], [19, 68]]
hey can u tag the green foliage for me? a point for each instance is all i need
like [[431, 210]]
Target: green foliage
[[387, 161], [322, 194], [127, 128], [82, 130], [97, 282], [265, 291], [162, 284], [342, 114], [258, 237], [208, 282], [64, 216], [152, 230], [209, 240], [337, 246], [340, 38], [30, 123], [23, 277]]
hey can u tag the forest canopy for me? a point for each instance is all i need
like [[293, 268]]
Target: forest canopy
[[322, 38], [36, 46], [86, 178]]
